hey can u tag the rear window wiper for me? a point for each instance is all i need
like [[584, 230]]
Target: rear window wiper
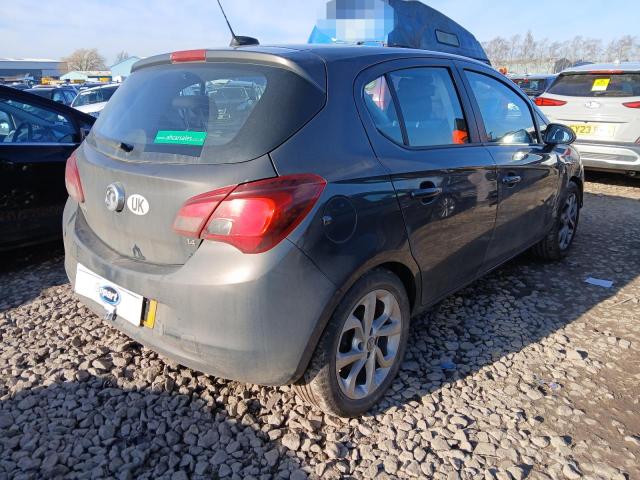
[[127, 147]]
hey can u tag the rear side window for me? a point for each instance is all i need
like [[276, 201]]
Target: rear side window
[[379, 102], [597, 85], [430, 107], [204, 113], [506, 116]]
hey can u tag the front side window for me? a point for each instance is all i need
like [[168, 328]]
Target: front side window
[[507, 118], [34, 124], [430, 107]]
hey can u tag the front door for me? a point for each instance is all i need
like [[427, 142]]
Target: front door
[[35, 142], [424, 133], [528, 174]]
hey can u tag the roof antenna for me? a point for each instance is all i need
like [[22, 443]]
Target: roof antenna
[[237, 41]]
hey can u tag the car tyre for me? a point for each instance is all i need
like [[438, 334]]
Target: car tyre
[[360, 351], [558, 242]]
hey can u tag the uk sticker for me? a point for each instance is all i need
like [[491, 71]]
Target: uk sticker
[[138, 204], [600, 84], [172, 137]]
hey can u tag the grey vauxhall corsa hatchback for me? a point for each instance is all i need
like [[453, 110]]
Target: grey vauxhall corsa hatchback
[[276, 215]]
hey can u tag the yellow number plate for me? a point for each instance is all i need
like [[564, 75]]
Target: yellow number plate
[[594, 130]]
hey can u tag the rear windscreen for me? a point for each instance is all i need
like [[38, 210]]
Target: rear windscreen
[[204, 113], [597, 85]]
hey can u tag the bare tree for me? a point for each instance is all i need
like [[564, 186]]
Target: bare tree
[[529, 55], [85, 59], [122, 55]]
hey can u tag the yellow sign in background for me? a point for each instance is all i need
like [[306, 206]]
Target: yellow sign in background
[[600, 84]]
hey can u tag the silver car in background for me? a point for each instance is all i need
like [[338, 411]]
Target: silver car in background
[[93, 100], [601, 103]]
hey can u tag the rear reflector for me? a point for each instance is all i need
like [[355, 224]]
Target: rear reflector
[[253, 217], [72, 179], [632, 104], [189, 56], [549, 102]]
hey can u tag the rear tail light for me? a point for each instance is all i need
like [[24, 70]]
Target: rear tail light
[[549, 102], [253, 217], [632, 104], [72, 179], [196, 211], [189, 56]]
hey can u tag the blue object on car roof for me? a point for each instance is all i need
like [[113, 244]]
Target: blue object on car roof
[[395, 23]]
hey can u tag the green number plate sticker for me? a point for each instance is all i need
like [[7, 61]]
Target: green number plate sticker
[[181, 138]]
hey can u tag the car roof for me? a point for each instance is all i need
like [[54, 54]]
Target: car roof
[[47, 87], [533, 75], [91, 89], [345, 51], [623, 66]]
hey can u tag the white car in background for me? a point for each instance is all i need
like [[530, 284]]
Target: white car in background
[[601, 103], [93, 100]]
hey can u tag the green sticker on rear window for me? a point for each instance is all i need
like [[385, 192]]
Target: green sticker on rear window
[[172, 137]]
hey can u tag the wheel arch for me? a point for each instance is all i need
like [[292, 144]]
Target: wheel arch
[[578, 181], [404, 267]]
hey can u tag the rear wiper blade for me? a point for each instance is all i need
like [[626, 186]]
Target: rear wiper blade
[[127, 147]]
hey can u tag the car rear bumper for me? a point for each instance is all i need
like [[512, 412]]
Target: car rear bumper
[[623, 157], [243, 317]]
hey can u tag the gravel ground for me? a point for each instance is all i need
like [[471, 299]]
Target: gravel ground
[[542, 380]]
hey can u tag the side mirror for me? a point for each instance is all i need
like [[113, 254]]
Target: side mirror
[[558, 134]]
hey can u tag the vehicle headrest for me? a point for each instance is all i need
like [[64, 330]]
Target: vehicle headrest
[[415, 86], [191, 102]]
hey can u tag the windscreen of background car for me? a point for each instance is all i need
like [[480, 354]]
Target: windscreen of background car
[[204, 113], [530, 85], [94, 96], [597, 85]]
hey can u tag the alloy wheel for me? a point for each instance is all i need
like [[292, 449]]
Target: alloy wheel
[[368, 344], [568, 221]]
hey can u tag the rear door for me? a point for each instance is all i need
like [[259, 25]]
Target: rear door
[[36, 138], [528, 172], [423, 130]]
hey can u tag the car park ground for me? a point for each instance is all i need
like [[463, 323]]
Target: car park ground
[[527, 373]]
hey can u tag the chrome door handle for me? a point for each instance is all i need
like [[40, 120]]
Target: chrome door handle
[[426, 193], [511, 180]]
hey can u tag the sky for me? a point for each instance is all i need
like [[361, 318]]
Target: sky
[[44, 29]]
